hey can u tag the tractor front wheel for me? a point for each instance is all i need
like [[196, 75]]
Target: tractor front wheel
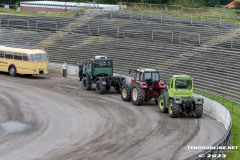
[[85, 84], [174, 110], [199, 110], [161, 105], [138, 95], [126, 92], [100, 89]]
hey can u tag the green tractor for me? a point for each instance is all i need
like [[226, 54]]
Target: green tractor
[[178, 98], [99, 71]]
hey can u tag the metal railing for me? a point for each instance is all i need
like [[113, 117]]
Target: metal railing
[[224, 100], [224, 141], [174, 8]]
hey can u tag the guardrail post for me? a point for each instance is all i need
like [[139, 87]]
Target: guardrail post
[[179, 39], [161, 18], [28, 24], [69, 28], [152, 35], [212, 42], [56, 27], [220, 21], [231, 43], [98, 30], [7, 23], [131, 15], [191, 19], [142, 16], [223, 99], [201, 20], [199, 39], [89, 30], [118, 31], [36, 26]]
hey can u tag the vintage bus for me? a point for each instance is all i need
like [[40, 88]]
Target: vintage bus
[[24, 61]]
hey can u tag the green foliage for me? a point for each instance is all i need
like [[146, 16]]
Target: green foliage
[[212, 3], [237, 5], [225, 2], [188, 3]]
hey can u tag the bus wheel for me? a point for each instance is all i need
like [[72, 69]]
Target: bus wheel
[[12, 71]]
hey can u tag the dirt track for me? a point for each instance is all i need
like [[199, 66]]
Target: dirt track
[[64, 122]]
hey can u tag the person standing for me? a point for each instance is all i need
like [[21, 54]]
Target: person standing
[[64, 66], [80, 70]]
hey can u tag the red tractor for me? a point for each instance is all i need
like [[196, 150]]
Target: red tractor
[[145, 86]]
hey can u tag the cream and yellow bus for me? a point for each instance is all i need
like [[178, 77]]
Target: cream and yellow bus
[[23, 61]]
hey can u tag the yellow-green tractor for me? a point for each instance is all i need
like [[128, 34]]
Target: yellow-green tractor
[[178, 98]]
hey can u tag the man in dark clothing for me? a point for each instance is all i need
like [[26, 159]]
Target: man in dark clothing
[[80, 71]]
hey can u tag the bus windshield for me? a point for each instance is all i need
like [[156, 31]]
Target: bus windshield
[[37, 57]]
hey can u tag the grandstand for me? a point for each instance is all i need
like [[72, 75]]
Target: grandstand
[[206, 49]]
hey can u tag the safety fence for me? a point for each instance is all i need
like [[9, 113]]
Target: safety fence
[[225, 14], [217, 151], [103, 27]]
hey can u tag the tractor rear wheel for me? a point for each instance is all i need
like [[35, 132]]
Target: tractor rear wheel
[[126, 92], [161, 105], [199, 110], [174, 110], [85, 84], [138, 95], [100, 89]]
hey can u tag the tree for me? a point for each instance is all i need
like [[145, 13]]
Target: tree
[[225, 2], [188, 3], [236, 5], [212, 3]]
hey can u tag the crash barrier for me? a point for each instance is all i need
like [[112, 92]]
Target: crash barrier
[[222, 114], [57, 70]]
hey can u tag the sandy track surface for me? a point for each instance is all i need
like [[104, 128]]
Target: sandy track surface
[[65, 122]]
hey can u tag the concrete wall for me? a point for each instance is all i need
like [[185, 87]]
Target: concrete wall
[[217, 110], [56, 69]]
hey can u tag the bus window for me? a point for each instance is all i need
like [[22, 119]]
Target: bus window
[[25, 57], [31, 57], [8, 55], [40, 57], [1, 54], [18, 56]]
